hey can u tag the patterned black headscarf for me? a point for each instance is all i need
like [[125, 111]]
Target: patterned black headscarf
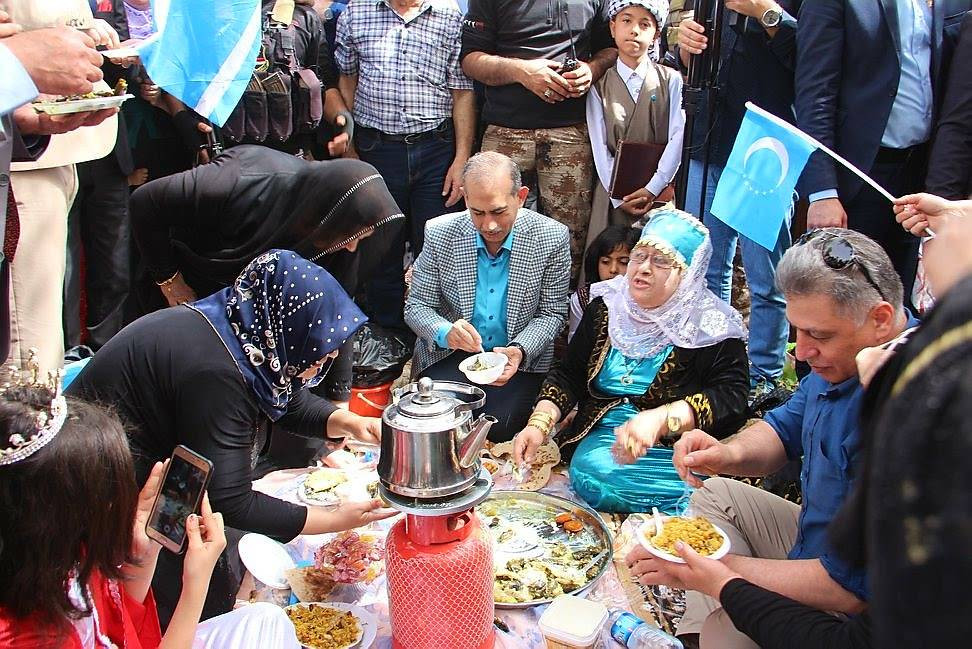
[[281, 316]]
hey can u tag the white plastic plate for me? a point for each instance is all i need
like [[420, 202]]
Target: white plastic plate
[[645, 539], [79, 105], [266, 559], [367, 620]]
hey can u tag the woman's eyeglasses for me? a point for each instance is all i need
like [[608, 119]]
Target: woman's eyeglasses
[[839, 253], [658, 260]]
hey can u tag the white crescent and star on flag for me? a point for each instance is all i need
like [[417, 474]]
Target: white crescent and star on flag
[[776, 147]]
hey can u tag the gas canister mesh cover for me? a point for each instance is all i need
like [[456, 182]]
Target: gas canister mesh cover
[[443, 598]]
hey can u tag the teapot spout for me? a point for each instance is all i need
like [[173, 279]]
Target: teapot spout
[[475, 439]]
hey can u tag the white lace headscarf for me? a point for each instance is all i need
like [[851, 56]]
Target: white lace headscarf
[[692, 317]]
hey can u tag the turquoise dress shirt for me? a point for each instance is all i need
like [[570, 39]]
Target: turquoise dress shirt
[[492, 284], [595, 476]]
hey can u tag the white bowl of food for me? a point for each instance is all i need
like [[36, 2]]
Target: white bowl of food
[[485, 367], [701, 535]]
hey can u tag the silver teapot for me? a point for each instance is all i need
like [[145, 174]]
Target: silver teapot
[[429, 442]]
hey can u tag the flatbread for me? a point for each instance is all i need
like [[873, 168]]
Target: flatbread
[[548, 456], [309, 584], [321, 487]]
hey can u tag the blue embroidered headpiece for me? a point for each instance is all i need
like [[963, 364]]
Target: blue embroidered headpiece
[[675, 233]]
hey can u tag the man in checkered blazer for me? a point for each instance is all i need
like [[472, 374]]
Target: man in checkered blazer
[[493, 277]]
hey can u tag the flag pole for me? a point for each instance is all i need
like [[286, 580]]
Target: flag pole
[[782, 123]]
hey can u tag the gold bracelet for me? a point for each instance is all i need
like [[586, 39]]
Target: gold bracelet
[[543, 431], [544, 426], [546, 423], [541, 423], [168, 281], [542, 417]]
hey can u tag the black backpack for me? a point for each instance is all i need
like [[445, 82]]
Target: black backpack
[[282, 98]]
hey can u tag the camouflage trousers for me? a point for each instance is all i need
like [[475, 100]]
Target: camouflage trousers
[[558, 164]]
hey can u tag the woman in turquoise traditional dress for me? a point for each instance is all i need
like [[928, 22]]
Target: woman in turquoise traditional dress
[[656, 354]]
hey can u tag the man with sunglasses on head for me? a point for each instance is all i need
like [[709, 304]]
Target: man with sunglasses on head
[[842, 295]]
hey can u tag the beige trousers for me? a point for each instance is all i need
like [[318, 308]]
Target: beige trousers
[[44, 197], [759, 524]]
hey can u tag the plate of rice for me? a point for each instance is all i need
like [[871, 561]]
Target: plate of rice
[[701, 535], [332, 625]]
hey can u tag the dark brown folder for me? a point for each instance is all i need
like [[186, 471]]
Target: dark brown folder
[[634, 165]]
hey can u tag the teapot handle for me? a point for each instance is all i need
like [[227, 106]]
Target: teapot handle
[[450, 386]]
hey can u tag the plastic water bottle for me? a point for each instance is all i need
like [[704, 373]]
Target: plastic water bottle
[[634, 633]]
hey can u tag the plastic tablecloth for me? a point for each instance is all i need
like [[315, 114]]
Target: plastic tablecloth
[[524, 632]]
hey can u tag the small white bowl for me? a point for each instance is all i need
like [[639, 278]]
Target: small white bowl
[[496, 360], [649, 526]]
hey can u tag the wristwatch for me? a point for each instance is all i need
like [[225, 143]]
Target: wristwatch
[[522, 351], [771, 17], [674, 422]]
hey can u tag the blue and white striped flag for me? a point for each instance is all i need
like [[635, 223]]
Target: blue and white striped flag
[[204, 52]]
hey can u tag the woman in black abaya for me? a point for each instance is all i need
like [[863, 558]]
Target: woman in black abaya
[[198, 229]]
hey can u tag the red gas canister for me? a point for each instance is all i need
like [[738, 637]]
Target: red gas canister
[[440, 583]]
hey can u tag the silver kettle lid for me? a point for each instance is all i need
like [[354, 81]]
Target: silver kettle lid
[[427, 403]]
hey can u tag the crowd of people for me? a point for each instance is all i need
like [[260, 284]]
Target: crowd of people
[[450, 174]]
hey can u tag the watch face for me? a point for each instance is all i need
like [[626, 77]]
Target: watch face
[[771, 18]]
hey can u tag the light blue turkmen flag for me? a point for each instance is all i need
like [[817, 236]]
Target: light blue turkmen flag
[[204, 52], [755, 192]]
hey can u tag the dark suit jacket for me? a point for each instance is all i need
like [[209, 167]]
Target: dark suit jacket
[[119, 20], [846, 81], [950, 164], [752, 67]]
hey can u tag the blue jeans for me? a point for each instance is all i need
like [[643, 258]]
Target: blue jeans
[[414, 174], [768, 328]]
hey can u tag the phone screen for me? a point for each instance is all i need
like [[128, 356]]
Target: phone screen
[[179, 496]]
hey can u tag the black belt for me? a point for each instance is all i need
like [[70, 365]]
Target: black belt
[[410, 138], [887, 155]]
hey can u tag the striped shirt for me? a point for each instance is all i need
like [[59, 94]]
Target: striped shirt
[[406, 70]]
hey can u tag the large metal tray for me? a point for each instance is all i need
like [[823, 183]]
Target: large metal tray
[[595, 532]]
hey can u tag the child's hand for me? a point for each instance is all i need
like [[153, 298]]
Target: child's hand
[[206, 540]]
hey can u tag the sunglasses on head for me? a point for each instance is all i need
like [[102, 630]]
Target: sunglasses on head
[[839, 253]]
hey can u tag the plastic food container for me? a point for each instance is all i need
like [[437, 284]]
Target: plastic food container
[[573, 622]]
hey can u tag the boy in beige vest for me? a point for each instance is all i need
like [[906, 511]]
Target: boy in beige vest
[[636, 100]]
